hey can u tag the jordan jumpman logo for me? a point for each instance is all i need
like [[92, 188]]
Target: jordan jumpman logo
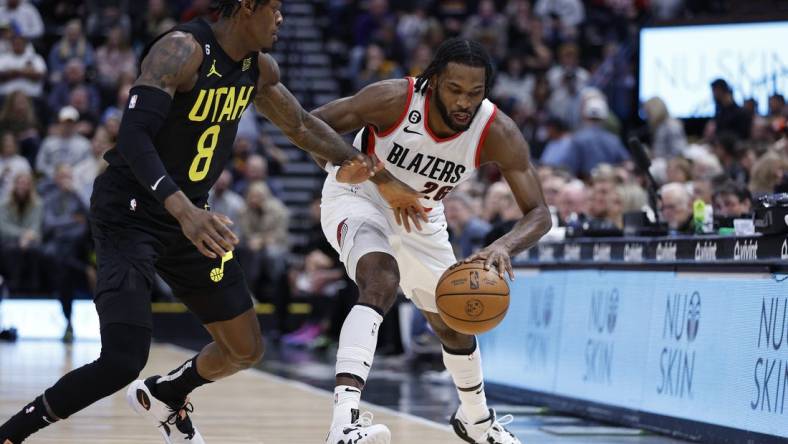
[[213, 70]]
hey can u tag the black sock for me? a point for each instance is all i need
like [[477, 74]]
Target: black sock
[[32, 418], [176, 386]]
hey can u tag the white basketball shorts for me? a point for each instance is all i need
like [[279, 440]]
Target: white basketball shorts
[[357, 224]]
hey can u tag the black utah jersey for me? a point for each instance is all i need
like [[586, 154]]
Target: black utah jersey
[[197, 137]]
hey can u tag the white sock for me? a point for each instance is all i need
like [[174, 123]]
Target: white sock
[[357, 342], [346, 399], [466, 371]]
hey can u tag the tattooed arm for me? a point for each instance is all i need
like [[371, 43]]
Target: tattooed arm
[[171, 65], [309, 133]]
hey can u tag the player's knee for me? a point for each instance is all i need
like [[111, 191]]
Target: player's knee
[[122, 367], [247, 353], [451, 338], [378, 281], [124, 352]]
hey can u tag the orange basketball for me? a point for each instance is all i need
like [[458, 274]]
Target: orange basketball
[[470, 299]]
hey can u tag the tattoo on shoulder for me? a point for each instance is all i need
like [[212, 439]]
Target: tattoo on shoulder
[[166, 61]]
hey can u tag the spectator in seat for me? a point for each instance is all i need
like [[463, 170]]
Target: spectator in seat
[[422, 56], [18, 116], [513, 87], [263, 241], [488, 27], [11, 163], [86, 170], [7, 30], [64, 232], [667, 134], [64, 146], [551, 188], [57, 13], [592, 144], [413, 26], [568, 64], [466, 230], [731, 154], [22, 69], [157, 18], [79, 99], [376, 67], [106, 15], [510, 215], [777, 106], [25, 16], [558, 143], [525, 36], [73, 45], [703, 189], [679, 170], [114, 61], [768, 172], [729, 116], [732, 200], [676, 208], [571, 13], [73, 78], [369, 23], [224, 200], [255, 169], [493, 202], [21, 213], [573, 202]]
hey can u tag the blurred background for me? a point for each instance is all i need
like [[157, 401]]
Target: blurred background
[[700, 84]]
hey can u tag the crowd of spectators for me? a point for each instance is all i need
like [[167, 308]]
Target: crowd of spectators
[[565, 74], [65, 71]]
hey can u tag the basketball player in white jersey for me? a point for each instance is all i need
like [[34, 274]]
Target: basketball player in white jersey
[[431, 133]]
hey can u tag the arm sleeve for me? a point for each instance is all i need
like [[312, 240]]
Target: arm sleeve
[[143, 118]]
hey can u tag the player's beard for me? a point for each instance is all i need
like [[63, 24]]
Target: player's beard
[[444, 112]]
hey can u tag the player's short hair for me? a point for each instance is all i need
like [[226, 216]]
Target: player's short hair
[[227, 8], [462, 51]]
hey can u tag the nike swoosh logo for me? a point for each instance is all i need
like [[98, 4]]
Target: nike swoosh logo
[[407, 130], [156, 185], [366, 364]]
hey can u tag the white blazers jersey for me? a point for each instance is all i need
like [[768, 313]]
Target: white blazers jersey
[[415, 155], [357, 220]]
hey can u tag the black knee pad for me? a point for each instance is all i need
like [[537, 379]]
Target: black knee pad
[[124, 351]]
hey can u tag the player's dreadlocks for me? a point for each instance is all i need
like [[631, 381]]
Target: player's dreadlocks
[[462, 51], [226, 8]]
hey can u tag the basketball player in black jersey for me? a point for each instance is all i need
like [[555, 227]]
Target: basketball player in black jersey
[[149, 214]]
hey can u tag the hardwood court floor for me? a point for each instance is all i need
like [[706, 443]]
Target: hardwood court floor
[[251, 407]]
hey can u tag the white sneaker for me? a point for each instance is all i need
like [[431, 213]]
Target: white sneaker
[[487, 431], [175, 425], [361, 431]]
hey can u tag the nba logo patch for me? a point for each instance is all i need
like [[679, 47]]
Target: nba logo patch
[[474, 280], [341, 232], [133, 102]]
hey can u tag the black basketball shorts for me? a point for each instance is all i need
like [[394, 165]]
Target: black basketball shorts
[[134, 240]]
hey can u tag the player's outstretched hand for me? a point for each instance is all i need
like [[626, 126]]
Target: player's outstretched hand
[[494, 256], [209, 232], [359, 169], [405, 202]]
